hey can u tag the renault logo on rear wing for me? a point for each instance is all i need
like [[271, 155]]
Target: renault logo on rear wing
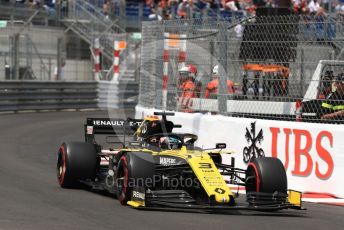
[[107, 123]]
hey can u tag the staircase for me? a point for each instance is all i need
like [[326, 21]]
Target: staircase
[[88, 22]]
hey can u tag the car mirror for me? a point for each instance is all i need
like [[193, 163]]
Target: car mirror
[[221, 146]]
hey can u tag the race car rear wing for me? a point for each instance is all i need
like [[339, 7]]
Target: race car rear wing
[[118, 127]]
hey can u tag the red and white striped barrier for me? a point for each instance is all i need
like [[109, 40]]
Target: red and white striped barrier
[[116, 53], [97, 59], [172, 42], [182, 51], [118, 46]]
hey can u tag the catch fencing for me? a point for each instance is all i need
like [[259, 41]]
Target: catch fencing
[[30, 52], [274, 63], [33, 54]]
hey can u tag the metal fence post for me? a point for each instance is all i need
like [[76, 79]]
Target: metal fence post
[[222, 41], [159, 65], [212, 53], [16, 56], [59, 57], [49, 70], [302, 72]]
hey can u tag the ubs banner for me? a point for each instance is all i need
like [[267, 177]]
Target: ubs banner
[[313, 154]]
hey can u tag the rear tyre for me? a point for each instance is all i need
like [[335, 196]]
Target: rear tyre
[[266, 175], [76, 161]]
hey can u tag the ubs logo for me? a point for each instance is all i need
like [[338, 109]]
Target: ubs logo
[[252, 150]]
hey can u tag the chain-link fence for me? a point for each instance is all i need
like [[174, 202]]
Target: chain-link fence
[[32, 53], [265, 67]]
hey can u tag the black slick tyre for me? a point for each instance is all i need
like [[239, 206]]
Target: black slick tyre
[[133, 170], [76, 161], [266, 175], [123, 191]]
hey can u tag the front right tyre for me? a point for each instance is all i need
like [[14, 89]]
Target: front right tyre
[[134, 170]]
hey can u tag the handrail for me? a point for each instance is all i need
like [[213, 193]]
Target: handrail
[[97, 14], [29, 20]]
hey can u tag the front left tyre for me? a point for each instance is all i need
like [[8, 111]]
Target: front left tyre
[[266, 175], [266, 183], [76, 161]]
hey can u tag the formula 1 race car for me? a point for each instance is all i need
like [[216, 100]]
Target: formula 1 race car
[[155, 167]]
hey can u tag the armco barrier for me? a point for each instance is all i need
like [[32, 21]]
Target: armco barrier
[[313, 154], [56, 95], [112, 95]]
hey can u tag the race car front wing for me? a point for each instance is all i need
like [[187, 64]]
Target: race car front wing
[[180, 199]]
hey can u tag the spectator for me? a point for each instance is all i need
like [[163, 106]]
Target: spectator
[[188, 87], [63, 7], [59, 74], [300, 6], [333, 107], [154, 16], [105, 9], [229, 5], [49, 5], [183, 9], [212, 87], [192, 9], [313, 6], [173, 5], [150, 3], [163, 9], [340, 8]]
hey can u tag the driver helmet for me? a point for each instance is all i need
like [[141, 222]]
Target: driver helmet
[[169, 143]]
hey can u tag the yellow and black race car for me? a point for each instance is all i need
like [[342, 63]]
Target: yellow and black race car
[[155, 167]]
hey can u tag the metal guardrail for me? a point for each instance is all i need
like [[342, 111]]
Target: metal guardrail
[[50, 95], [115, 96]]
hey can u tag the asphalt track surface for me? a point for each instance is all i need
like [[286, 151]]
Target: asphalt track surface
[[30, 197]]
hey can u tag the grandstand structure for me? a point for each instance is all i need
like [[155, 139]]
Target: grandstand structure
[[37, 38], [34, 40]]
